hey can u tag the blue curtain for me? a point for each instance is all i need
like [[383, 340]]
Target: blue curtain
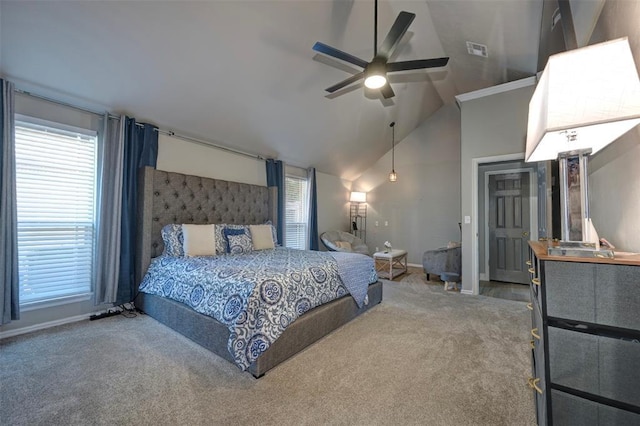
[[140, 150], [275, 179], [313, 210], [9, 278]]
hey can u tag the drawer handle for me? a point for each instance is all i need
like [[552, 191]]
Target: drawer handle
[[530, 306], [528, 262], [533, 384], [532, 271], [534, 333], [536, 281], [532, 344]]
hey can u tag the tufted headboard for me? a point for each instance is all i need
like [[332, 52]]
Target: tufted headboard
[[167, 197]]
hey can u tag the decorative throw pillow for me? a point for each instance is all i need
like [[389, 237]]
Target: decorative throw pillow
[[173, 239], [274, 232], [199, 240], [240, 244], [346, 245], [221, 239], [261, 237]]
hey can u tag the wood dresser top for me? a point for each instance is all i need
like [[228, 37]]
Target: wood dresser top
[[620, 257]]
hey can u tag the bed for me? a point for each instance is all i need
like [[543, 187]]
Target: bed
[[174, 198]]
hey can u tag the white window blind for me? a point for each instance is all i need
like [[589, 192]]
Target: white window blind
[[296, 212], [55, 185]]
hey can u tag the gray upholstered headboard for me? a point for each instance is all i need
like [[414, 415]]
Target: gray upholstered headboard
[[167, 197]]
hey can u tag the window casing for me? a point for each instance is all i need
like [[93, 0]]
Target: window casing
[[296, 218], [56, 192]]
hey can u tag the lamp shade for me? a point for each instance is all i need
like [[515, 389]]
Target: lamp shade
[[358, 197], [585, 99]]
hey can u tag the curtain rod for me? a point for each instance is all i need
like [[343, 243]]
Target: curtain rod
[[161, 131]]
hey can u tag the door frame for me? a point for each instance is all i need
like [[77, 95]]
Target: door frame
[[475, 163], [533, 211]]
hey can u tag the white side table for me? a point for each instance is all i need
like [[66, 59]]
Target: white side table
[[390, 264]]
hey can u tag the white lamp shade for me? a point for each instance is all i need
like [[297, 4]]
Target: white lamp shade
[[358, 197], [593, 91]]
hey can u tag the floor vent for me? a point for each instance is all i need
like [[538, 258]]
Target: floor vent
[[477, 49]]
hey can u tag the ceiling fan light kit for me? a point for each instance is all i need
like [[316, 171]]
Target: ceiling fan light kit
[[375, 72]]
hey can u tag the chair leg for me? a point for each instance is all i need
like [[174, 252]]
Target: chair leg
[[446, 285]]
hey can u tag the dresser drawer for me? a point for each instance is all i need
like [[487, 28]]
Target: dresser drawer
[[591, 292], [598, 365], [538, 380], [570, 410]]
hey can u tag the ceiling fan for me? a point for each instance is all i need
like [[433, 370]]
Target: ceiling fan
[[375, 72]]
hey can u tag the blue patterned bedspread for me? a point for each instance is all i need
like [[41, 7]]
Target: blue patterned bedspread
[[258, 294]]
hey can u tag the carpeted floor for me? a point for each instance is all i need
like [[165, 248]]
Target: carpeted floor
[[422, 357]]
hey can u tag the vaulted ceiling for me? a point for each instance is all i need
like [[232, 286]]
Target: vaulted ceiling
[[242, 73]]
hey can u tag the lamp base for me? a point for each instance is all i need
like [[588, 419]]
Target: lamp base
[[578, 249]]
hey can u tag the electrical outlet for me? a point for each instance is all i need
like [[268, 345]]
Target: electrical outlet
[[377, 223], [386, 223]]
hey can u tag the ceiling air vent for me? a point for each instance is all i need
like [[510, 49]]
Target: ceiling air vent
[[477, 49]]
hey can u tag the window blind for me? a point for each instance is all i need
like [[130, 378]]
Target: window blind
[[296, 212], [55, 186]]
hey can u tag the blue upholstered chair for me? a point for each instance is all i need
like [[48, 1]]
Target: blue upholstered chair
[[445, 262], [332, 241]]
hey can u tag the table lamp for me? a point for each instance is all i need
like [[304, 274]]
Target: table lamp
[[585, 99]]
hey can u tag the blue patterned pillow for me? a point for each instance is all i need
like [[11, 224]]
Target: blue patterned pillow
[[239, 244], [173, 239], [221, 238]]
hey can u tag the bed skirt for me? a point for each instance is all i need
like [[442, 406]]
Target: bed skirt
[[212, 335]]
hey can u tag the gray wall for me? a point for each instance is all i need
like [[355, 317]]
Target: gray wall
[[423, 207], [614, 172], [333, 206], [492, 125]]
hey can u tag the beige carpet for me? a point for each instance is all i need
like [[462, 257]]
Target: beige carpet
[[422, 357]]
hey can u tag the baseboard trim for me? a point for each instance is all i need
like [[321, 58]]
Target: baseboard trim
[[44, 325], [469, 292], [414, 265]]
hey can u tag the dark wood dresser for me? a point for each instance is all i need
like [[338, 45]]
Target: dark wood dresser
[[585, 338]]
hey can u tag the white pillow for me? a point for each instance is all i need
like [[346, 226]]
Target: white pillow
[[261, 237], [199, 240]]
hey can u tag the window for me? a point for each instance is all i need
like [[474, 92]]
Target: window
[[55, 186], [296, 212]]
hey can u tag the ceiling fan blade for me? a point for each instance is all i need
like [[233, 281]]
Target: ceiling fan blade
[[345, 83], [387, 91], [399, 28], [339, 54], [417, 64]]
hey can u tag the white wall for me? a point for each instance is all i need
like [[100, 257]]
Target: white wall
[[180, 156], [423, 207], [493, 125]]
